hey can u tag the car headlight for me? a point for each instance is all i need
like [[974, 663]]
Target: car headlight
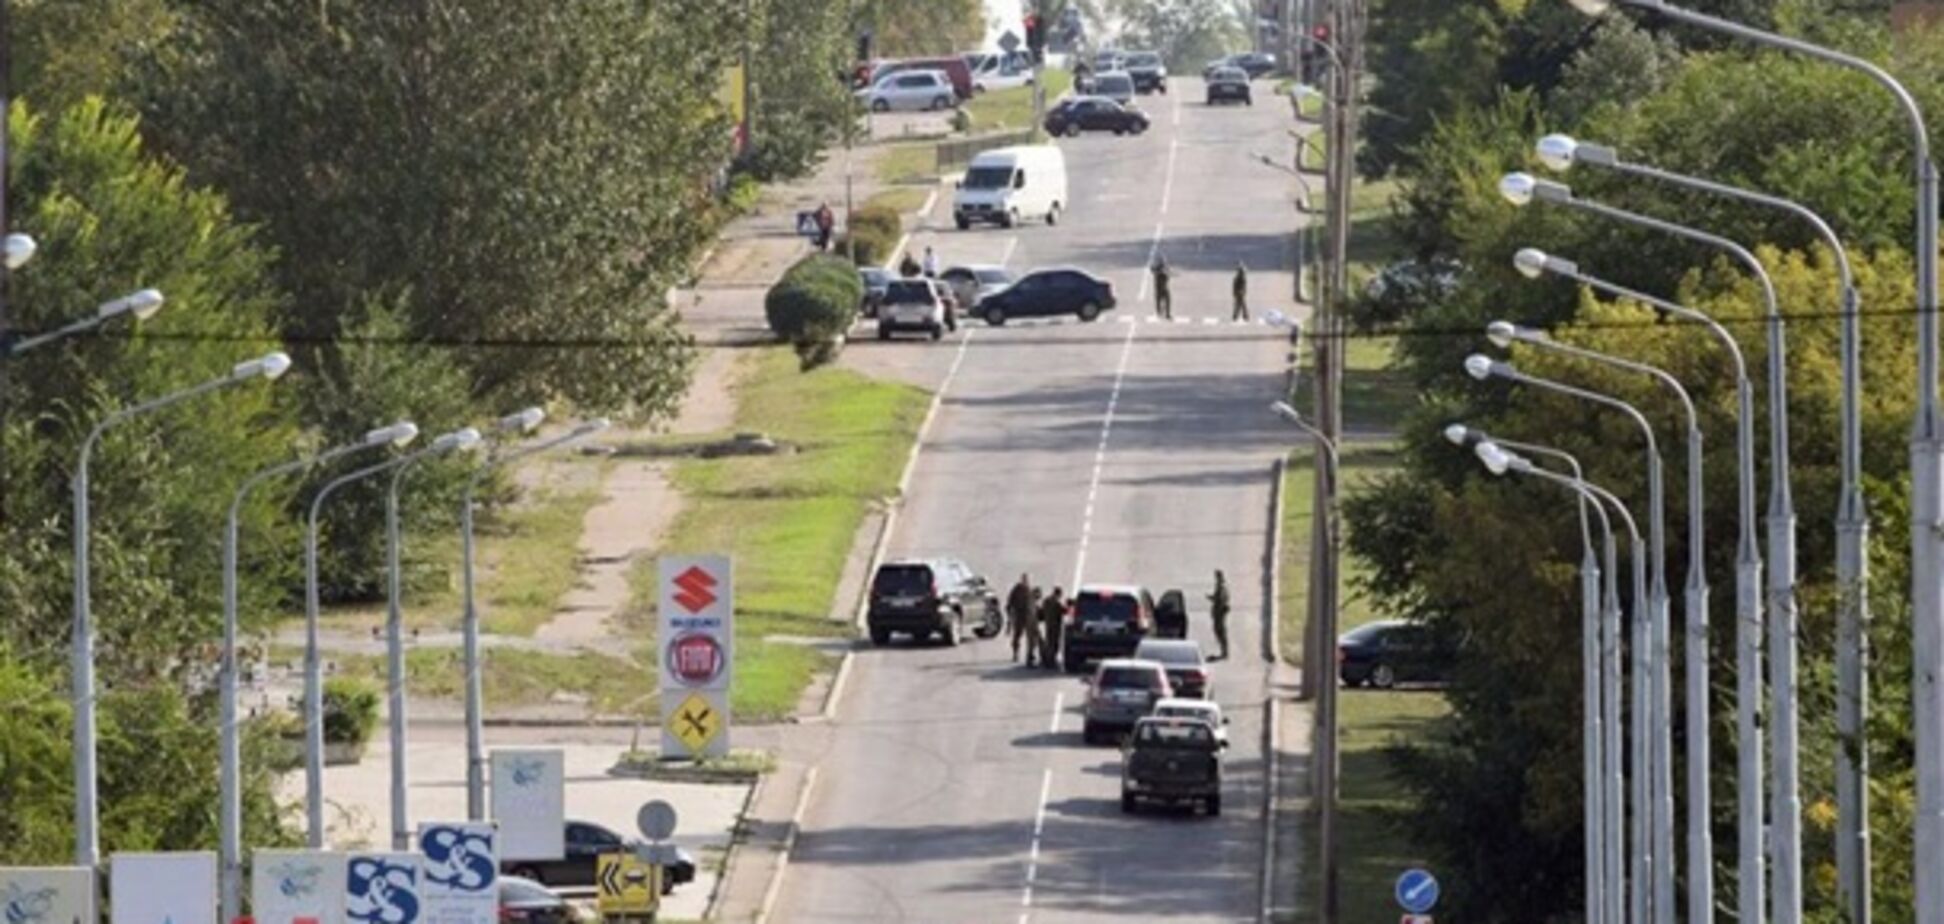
[[1135, 786]]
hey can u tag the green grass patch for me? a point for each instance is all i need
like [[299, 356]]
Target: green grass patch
[[1375, 393], [1010, 110], [1373, 229], [1363, 463], [789, 519], [915, 162], [900, 199], [513, 678], [1373, 808]]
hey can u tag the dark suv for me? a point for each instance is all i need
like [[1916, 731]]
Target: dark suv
[[940, 596], [1172, 761], [1150, 75], [1106, 621]]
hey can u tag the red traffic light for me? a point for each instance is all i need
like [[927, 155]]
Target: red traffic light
[[1320, 32]]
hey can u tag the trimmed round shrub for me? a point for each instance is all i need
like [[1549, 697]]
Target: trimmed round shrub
[[814, 303], [875, 229]]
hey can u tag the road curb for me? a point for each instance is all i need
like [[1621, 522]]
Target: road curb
[[1272, 569], [735, 851], [1271, 798], [836, 692], [775, 889]]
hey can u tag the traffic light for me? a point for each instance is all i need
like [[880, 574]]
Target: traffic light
[[864, 45], [1035, 37], [1320, 32]]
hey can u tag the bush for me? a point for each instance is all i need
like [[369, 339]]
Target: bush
[[875, 229], [814, 303], [350, 710], [962, 122]]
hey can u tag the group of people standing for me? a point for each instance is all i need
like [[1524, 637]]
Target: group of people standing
[[1164, 299], [1037, 618]]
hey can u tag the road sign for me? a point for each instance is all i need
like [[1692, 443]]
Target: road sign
[[176, 888], [55, 894], [656, 819], [1417, 891], [530, 804], [296, 886], [1009, 42], [806, 224], [458, 873], [626, 885], [697, 606], [696, 724]]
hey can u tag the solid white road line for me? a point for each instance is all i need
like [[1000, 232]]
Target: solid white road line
[[775, 889], [1011, 243], [1100, 455], [1167, 192], [1059, 702], [1032, 858]]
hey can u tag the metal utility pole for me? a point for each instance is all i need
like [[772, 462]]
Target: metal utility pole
[[6, 275]]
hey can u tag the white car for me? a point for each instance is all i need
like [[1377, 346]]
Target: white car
[[1201, 709], [999, 72], [910, 91]]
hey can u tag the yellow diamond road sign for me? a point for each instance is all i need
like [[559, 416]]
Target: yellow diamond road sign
[[627, 885], [695, 722]]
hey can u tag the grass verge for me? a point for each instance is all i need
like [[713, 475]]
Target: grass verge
[[789, 520], [1373, 229], [916, 162], [900, 199], [1009, 110], [513, 678]]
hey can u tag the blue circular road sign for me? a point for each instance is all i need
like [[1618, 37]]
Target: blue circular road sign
[[1417, 891]]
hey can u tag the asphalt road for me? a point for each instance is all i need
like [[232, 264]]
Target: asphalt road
[[955, 786]]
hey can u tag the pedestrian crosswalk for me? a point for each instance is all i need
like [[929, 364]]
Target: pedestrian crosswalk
[[1207, 321]]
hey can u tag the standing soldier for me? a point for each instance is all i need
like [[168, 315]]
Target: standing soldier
[[1052, 615], [1218, 610], [1241, 293], [1163, 302], [1019, 612]]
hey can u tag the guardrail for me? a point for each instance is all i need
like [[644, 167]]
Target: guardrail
[[955, 154]]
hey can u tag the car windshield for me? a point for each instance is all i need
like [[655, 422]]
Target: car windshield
[[992, 276], [1129, 678], [1175, 735], [1114, 83], [1097, 607], [1171, 654], [902, 579], [1144, 59], [909, 291], [988, 178], [1231, 74], [1367, 633]]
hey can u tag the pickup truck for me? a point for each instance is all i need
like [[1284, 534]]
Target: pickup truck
[[1172, 761]]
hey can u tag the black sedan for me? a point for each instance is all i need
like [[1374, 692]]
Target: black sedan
[[527, 902], [1078, 114], [1229, 84], [1048, 293], [1386, 653], [586, 842]]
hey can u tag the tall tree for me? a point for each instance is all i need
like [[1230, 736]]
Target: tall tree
[[922, 28], [1185, 32]]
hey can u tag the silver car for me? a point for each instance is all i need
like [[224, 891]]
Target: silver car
[[1121, 692], [973, 282]]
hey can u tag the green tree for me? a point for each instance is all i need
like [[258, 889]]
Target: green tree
[[68, 50], [801, 88], [1184, 32], [922, 28]]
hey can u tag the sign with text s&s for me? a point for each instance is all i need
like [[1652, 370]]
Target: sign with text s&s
[[458, 873], [297, 886]]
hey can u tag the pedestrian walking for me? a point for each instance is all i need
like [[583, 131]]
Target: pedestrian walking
[[1218, 610], [1241, 293], [931, 263], [1052, 616], [826, 225], [1019, 612], [1163, 302]]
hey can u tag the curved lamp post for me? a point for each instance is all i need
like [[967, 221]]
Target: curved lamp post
[[313, 673], [1650, 864], [1700, 852], [140, 305], [524, 421], [1600, 689], [1785, 802], [87, 835], [231, 796]]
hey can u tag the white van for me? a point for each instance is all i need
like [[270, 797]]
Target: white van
[[1010, 185]]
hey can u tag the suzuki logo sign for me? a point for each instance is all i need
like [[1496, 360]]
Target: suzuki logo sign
[[697, 605], [694, 589]]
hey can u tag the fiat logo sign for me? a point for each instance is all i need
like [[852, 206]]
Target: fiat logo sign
[[695, 659]]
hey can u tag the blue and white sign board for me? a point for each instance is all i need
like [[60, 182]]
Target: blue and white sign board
[[381, 888], [1417, 891], [297, 886], [162, 888], [530, 804], [47, 895], [458, 873]]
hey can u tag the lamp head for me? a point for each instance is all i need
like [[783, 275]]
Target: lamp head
[[1517, 187], [1304, 91], [1592, 7], [458, 440], [1556, 151], [1457, 434], [1480, 366], [1288, 413], [143, 305], [272, 366], [592, 426], [1530, 262], [525, 421], [1497, 460], [19, 249], [397, 434]]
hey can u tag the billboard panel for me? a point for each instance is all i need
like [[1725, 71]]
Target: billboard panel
[[530, 804], [162, 888], [297, 886], [458, 873], [47, 895], [381, 888]]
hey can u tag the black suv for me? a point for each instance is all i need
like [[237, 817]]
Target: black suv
[[1172, 762], [1047, 293], [940, 596], [1106, 621], [1150, 75]]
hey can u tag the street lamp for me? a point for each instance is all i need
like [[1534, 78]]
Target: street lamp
[[1600, 689], [1532, 263], [313, 673], [1785, 800], [459, 440], [1650, 863], [475, 733], [140, 305], [87, 835], [17, 249], [1560, 152], [231, 796], [1325, 612]]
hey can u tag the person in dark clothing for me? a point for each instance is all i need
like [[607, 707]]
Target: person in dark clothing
[[1218, 610], [1241, 293], [826, 225], [1019, 612], [1163, 302], [908, 267], [1052, 616]]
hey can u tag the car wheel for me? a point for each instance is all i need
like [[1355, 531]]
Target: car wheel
[[942, 102], [880, 637], [1118, 132], [1073, 130], [964, 224], [1075, 664], [937, 331], [1383, 677], [1127, 803], [1088, 734], [884, 333], [880, 105], [995, 316], [1089, 312], [1214, 804], [1053, 214]]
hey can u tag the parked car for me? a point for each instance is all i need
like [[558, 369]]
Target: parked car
[[1110, 60], [877, 281], [1255, 63], [999, 71], [910, 91], [1203, 710], [916, 304], [1106, 621], [1389, 652], [1182, 659], [975, 281], [1077, 114], [1010, 185], [954, 68], [1121, 692], [1172, 762], [1115, 85], [1227, 84], [931, 597], [586, 841], [1049, 293], [524, 901], [1150, 75]]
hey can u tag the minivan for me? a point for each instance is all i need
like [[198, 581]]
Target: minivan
[[1009, 185]]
